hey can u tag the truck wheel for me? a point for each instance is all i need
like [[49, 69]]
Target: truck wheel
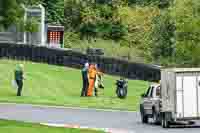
[[144, 117], [164, 123]]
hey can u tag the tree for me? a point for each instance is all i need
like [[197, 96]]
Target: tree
[[163, 37], [139, 23], [1, 17], [30, 2], [11, 12], [54, 11], [160, 3], [31, 27], [187, 17]]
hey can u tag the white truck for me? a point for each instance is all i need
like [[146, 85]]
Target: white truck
[[176, 98]]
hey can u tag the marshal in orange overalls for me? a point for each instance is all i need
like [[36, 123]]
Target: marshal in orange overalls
[[92, 75]]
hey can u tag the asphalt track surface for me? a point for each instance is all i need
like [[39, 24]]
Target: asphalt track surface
[[127, 121]]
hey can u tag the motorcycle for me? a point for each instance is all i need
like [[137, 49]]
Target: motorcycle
[[122, 88]]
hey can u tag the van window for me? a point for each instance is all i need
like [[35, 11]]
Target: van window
[[158, 91], [152, 90], [148, 91]]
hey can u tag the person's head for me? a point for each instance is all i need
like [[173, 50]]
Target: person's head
[[92, 65], [20, 67], [86, 65]]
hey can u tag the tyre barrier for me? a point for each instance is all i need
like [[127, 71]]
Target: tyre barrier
[[70, 58]]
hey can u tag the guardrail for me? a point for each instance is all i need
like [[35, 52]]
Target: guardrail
[[11, 37], [70, 58]]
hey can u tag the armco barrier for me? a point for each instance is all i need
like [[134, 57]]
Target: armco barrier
[[74, 59]]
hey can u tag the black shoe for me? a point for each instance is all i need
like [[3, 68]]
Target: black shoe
[[101, 86]]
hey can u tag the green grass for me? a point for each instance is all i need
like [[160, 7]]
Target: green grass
[[111, 49], [20, 127], [54, 85]]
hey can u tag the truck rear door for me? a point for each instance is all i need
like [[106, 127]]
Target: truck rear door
[[198, 92], [187, 95]]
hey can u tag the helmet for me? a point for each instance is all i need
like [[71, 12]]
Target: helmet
[[86, 65], [19, 67]]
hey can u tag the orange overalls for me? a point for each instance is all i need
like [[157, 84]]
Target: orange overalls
[[92, 74]]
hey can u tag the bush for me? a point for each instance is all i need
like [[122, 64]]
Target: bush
[[163, 35], [187, 16], [71, 38]]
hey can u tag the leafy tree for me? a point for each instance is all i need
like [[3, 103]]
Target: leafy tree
[[139, 23], [29, 2], [93, 20], [163, 37], [187, 17], [54, 11], [159, 3], [72, 14], [11, 12], [31, 26]]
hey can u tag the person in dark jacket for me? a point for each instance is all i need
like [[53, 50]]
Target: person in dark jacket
[[85, 80], [19, 78]]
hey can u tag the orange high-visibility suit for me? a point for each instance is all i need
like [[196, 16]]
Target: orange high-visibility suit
[[92, 75]]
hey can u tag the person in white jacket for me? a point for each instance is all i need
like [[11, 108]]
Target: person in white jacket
[[98, 81]]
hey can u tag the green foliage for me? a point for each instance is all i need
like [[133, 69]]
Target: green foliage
[[163, 37], [72, 15], [159, 3], [187, 17], [29, 2], [20, 26], [71, 38], [11, 12], [32, 25], [163, 31], [54, 11], [94, 20], [139, 21]]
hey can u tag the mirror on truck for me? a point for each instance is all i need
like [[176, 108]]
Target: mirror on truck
[[143, 95]]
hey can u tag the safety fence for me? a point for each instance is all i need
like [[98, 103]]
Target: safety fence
[[70, 58]]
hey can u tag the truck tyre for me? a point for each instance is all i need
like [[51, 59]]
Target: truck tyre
[[164, 121], [156, 119], [144, 117]]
